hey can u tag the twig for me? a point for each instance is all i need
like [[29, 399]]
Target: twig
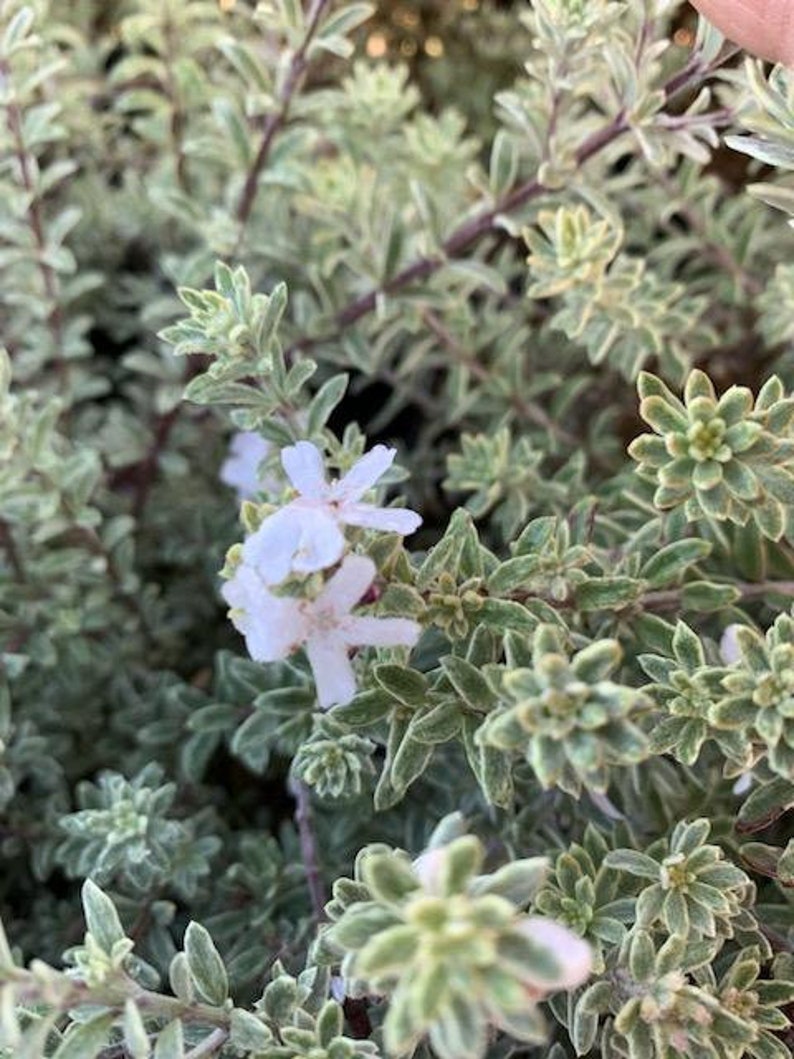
[[177, 123], [277, 119], [750, 590], [667, 599], [9, 545], [308, 843], [482, 224], [528, 410], [147, 469], [460, 240], [48, 275], [209, 1046]]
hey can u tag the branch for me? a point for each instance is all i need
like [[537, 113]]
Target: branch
[[35, 221], [209, 1045], [8, 544], [308, 843], [277, 119], [750, 590], [472, 230]]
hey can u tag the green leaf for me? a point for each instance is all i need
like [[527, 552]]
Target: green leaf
[[670, 562], [206, 966], [86, 1040], [469, 683], [343, 22], [780, 155], [706, 596], [765, 805], [248, 1032], [169, 1043], [324, 402], [17, 28], [607, 593], [514, 573], [136, 1039], [517, 882], [270, 319], [389, 877], [101, 917], [504, 614], [357, 927], [330, 1023], [410, 761], [406, 685], [438, 725], [388, 951], [504, 163], [633, 862]]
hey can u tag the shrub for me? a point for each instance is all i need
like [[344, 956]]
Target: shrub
[[376, 680]]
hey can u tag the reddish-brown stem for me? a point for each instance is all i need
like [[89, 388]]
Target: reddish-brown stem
[[35, 220], [308, 844], [177, 117], [147, 469], [472, 230], [277, 119], [9, 546]]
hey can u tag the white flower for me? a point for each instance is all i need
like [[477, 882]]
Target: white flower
[[306, 535], [274, 627], [240, 469], [729, 645]]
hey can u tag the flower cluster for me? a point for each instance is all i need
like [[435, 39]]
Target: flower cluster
[[303, 538], [566, 716], [728, 459], [450, 947]]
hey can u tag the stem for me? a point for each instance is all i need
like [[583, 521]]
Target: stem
[[308, 843], [750, 590], [209, 1045], [177, 124], [472, 230], [147, 469], [720, 254], [9, 545], [277, 119], [35, 221], [526, 409]]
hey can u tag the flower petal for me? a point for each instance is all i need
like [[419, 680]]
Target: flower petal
[[273, 627], [730, 651], [303, 539], [271, 548], [240, 469], [348, 585], [381, 632], [332, 669], [363, 474], [304, 466], [389, 519], [319, 541]]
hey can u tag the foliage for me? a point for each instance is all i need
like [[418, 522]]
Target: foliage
[[334, 315]]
